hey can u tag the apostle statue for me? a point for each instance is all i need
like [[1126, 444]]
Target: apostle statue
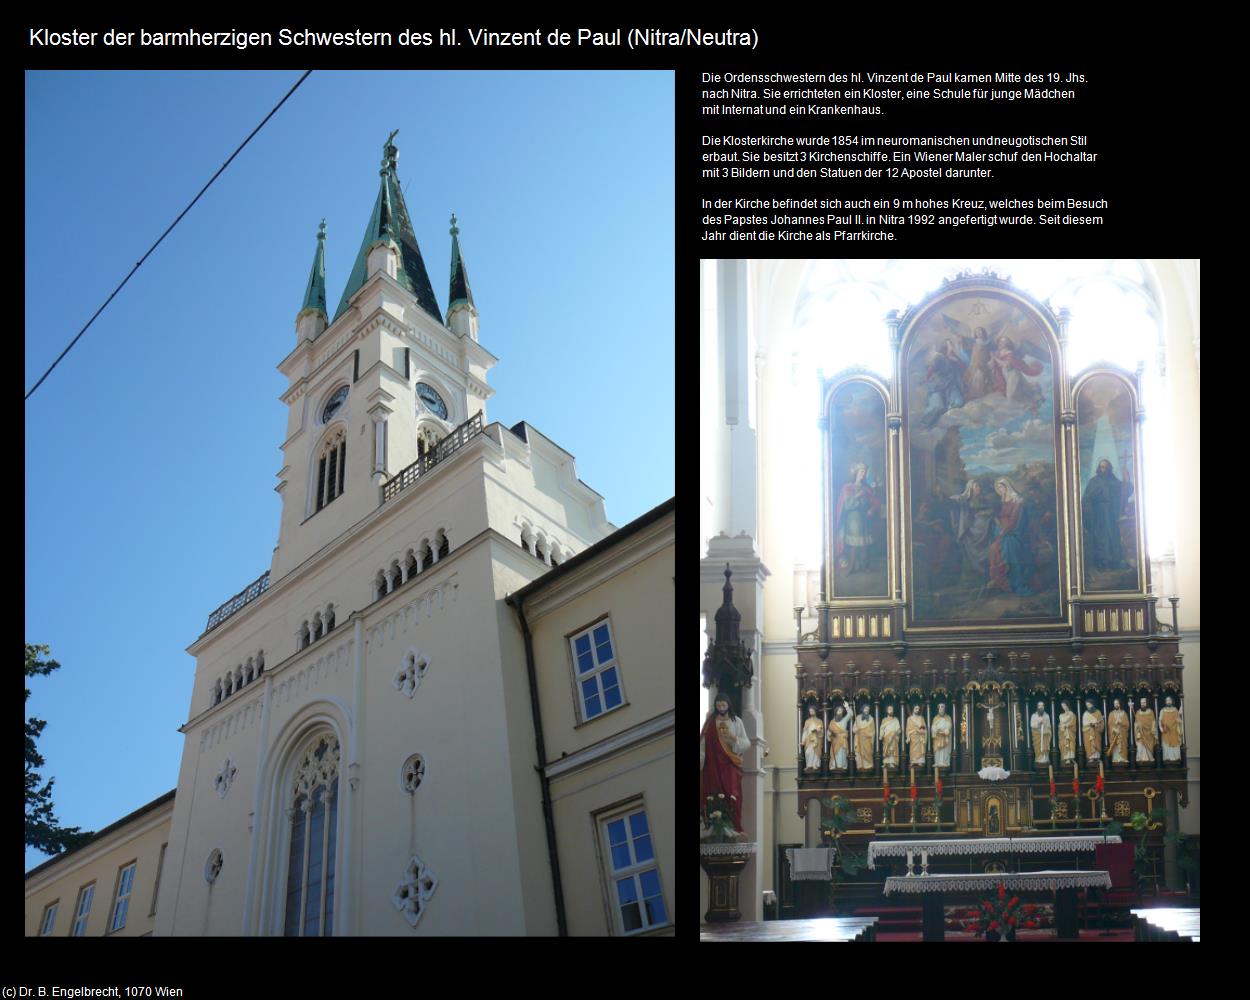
[[1144, 731], [1039, 725], [1067, 734], [1170, 731], [838, 739], [1117, 732], [890, 730], [917, 737], [865, 733], [813, 739], [941, 737], [1101, 506], [721, 745], [1091, 729]]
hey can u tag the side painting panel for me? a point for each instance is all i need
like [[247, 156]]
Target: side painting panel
[[979, 410], [1107, 468], [859, 482]]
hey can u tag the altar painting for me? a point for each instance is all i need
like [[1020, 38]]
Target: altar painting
[[980, 424], [858, 491], [1107, 470]]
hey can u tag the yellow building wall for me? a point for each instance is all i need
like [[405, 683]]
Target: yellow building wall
[[101, 862]]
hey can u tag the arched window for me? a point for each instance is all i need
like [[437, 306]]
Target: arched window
[[331, 468], [396, 575], [411, 565], [318, 630], [313, 811], [304, 635], [330, 618], [444, 546]]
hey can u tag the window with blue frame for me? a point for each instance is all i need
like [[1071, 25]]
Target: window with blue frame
[[597, 671], [634, 877]]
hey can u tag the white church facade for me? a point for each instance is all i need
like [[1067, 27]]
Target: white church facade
[[361, 753]]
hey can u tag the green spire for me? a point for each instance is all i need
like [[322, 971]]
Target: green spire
[[461, 293], [389, 223], [315, 297]]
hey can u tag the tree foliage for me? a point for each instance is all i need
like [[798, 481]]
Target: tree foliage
[[43, 831]]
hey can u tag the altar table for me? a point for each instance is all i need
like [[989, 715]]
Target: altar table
[[991, 845], [936, 887], [820, 929]]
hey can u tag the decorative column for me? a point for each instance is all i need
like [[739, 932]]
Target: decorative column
[[378, 471]]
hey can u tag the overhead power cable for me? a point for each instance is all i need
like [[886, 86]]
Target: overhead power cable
[[139, 263]]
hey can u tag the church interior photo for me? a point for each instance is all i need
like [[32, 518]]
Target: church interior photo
[[949, 600]]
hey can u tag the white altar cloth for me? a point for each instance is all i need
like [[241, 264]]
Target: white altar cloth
[[809, 864], [991, 845], [1016, 882]]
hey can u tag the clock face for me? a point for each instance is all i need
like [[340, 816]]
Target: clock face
[[432, 399], [334, 403]]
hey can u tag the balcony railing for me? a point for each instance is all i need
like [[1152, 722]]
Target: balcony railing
[[243, 597], [452, 443]]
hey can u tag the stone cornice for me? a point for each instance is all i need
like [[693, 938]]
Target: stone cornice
[[88, 853], [627, 739]]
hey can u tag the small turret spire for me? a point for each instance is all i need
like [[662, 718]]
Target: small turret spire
[[461, 312], [312, 318]]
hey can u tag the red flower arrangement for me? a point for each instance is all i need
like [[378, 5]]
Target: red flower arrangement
[[939, 787], [1098, 784], [1076, 787], [1000, 915], [885, 796], [1052, 788], [913, 793]]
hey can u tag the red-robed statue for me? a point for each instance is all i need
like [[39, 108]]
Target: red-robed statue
[[721, 745]]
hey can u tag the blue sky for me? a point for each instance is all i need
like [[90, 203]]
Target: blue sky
[[151, 451]]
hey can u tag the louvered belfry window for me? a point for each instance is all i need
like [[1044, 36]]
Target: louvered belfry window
[[331, 470]]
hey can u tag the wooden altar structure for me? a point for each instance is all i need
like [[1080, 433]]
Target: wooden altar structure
[[985, 563]]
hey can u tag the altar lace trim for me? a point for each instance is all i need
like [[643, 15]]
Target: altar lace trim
[[740, 847], [1027, 882], [994, 845]]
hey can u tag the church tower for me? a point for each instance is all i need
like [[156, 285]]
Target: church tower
[[359, 753], [381, 384]]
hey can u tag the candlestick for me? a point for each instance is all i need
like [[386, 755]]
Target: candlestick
[[924, 860], [910, 854], [1100, 774], [1051, 768]]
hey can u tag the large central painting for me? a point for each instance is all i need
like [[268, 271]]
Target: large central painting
[[979, 380]]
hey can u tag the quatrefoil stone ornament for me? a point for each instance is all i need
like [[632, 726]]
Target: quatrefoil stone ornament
[[225, 777], [409, 675], [412, 774], [414, 890]]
